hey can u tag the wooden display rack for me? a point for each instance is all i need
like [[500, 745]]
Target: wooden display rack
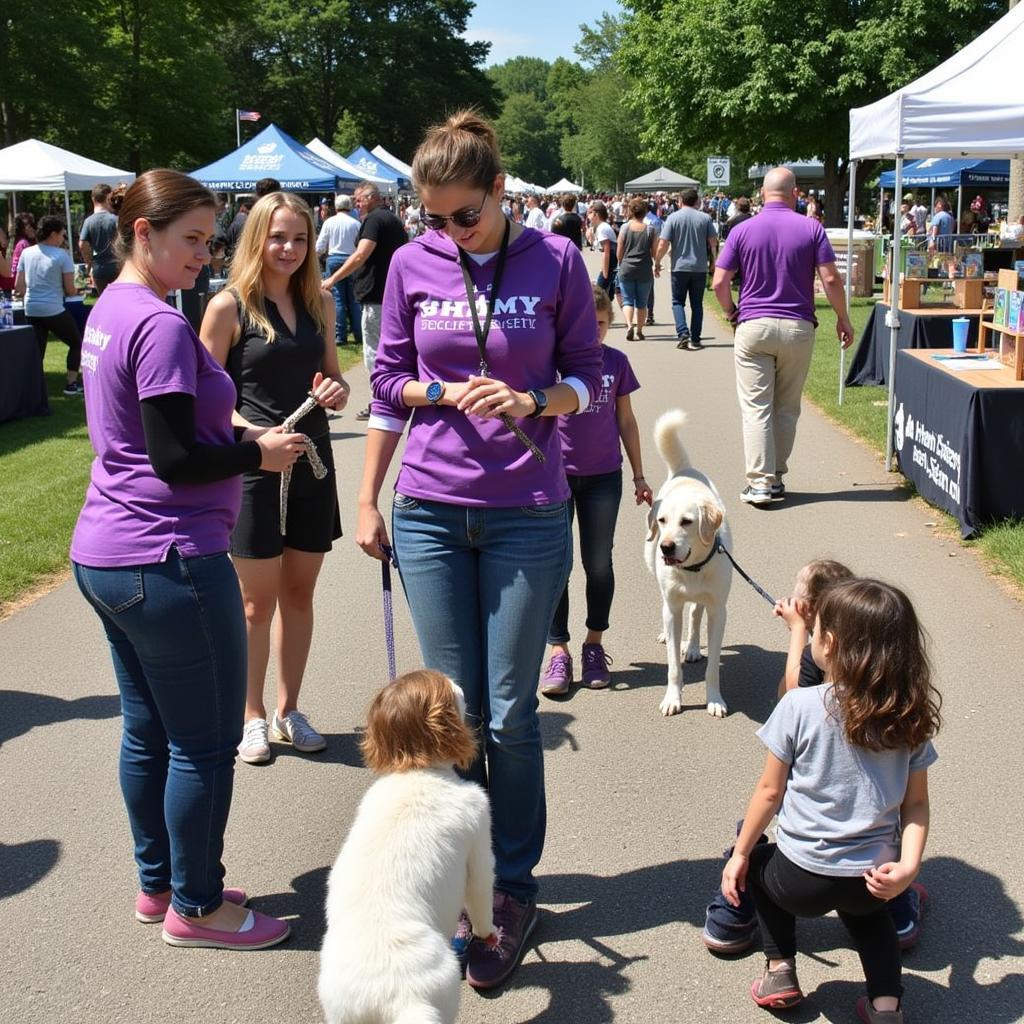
[[1011, 346], [967, 292]]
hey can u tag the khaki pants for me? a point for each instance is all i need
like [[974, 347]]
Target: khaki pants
[[772, 359], [371, 334]]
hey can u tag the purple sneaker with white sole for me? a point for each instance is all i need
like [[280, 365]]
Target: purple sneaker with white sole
[[557, 677], [595, 667]]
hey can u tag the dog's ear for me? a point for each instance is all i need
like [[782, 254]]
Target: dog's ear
[[652, 521], [710, 521]]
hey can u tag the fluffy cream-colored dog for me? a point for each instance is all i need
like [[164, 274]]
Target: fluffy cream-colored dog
[[685, 523], [418, 852]]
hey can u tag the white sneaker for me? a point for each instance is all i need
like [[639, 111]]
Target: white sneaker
[[295, 729], [255, 747]]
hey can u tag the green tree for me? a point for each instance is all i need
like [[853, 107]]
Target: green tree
[[529, 143], [599, 42], [753, 78], [565, 79], [521, 74]]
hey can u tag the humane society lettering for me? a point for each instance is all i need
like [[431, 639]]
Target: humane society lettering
[[514, 313], [93, 339]]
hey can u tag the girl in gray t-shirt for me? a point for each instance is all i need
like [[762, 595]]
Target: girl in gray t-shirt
[[847, 771]]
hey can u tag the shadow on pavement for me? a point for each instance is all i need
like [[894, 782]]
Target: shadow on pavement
[[342, 748], [897, 493], [22, 865], [21, 711], [303, 907], [345, 436]]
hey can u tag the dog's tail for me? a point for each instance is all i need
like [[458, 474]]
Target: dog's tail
[[668, 437]]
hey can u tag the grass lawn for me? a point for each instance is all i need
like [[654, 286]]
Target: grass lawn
[[864, 413], [44, 470]]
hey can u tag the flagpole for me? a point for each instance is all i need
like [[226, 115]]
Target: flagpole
[[238, 131]]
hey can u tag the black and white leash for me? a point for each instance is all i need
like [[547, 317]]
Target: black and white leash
[[390, 559], [319, 469]]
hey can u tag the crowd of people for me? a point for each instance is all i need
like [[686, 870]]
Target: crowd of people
[[213, 503]]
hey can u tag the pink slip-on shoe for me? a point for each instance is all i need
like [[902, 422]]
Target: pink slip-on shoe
[[258, 932], [151, 909]]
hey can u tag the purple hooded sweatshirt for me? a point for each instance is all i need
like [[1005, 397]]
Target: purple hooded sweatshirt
[[544, 329]]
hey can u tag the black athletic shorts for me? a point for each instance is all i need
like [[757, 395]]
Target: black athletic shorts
[[313, 518]]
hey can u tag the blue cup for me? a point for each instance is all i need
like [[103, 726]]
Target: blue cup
[[961, 325]]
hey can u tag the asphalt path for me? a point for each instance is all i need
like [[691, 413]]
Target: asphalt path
[[640, 807]]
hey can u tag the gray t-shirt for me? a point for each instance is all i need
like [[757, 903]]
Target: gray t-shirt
[[689, 230], [636, 263], [100, 230], [44, 267], [840, 814]]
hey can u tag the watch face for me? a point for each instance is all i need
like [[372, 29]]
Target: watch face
[[434, 391]]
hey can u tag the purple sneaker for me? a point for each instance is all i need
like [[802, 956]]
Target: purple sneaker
[[488, 966], [595, 667], [557, 676]]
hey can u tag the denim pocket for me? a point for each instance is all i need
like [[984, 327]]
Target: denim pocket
[[405, 503], [543, 511], [112, 590]]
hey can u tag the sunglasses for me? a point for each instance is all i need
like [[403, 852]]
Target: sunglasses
[[466, 218]]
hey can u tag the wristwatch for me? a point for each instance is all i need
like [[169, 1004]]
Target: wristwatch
[[435, 391], [540, 400]]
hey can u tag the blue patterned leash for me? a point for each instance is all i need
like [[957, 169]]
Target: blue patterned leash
[[389, 607]]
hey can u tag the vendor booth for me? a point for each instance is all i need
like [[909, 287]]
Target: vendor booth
[[347, 169], [661, 180], [563, 186], [392, 161], [937, 173], [966, 107], [367, 163]]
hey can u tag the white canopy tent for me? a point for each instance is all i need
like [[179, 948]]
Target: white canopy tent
[[660, 180], [967, 106], [34, 166], [565, 185], [347, 168], [392, 161]]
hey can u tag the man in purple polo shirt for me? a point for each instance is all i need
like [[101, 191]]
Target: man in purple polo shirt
[[776, 253]]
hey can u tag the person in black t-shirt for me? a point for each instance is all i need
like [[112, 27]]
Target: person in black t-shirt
[[380, 235], [569, 222]]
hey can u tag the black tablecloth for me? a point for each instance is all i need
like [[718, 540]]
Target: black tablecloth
[[22, 385], [960, 444], [870, 363]]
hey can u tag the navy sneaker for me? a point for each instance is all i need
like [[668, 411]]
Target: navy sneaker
[[730, 930], [906, 911]]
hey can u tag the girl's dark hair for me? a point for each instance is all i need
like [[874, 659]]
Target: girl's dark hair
[[599, 208], [638, 208], [879, 665], [603, 303], [463, 150], [160, 197], [22, 221], [821, 574], [47, 226]]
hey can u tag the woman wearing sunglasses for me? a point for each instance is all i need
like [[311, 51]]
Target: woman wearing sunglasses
[[488, 334]]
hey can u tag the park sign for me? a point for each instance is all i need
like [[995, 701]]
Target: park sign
[[718, 171]]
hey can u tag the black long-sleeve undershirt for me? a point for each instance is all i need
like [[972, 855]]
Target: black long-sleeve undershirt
[[169, 427]]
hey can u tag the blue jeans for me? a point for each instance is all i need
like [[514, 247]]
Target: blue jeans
[[595, 500], [635, 293], [347, 312], [177, 638], [688, 285], [482, 584]]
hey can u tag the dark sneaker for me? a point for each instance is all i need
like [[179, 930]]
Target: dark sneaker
[[694, 345], [514, 922], [778, 489], [363, 415], [461, 939], [650, 322], [906, 911], [684, 339], [756, 495], [595, 667], [777, 990], [74, 389], [629, 334], [867, 1013], [557, 676]]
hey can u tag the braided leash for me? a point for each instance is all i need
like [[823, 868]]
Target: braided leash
[[319, 469], [389, 608]]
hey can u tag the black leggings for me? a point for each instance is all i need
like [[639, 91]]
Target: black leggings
[[782, 891], [64, 326]]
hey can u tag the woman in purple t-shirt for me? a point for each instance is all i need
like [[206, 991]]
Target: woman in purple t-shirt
[[149, 553], [480, 521]]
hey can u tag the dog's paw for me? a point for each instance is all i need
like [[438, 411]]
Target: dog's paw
[[661, 637], [717, 708], [692, 653], [671, 704]]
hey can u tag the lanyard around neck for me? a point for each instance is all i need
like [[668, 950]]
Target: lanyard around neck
[[481, 331]]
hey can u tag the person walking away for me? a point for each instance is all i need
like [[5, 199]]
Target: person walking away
[[940, 234], [692, 237], [535, 215], [269, 329], [480, 523], [592, 452], [381, 234], [337, 240], [568, 222], [234, 231], [635, 256], [777, 254], [847, 772], [45, 276], [606, 243], [149, 554], [96, 240]]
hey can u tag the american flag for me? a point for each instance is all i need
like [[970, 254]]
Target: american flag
[[249, 115]]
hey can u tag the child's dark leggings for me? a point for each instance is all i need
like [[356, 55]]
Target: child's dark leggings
[[782, 892]]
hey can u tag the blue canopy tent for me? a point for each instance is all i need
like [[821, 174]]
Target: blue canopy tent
[[373, 165], [273, 153], [944, 173]]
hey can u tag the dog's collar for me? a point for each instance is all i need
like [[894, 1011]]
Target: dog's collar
[[715, 548]]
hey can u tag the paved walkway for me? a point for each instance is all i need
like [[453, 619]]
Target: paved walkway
[[640, 807]]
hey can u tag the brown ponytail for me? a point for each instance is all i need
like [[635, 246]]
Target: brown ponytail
[[463, 150]]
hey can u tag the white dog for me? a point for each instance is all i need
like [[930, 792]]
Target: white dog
[[686, 523], [418, 852]]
